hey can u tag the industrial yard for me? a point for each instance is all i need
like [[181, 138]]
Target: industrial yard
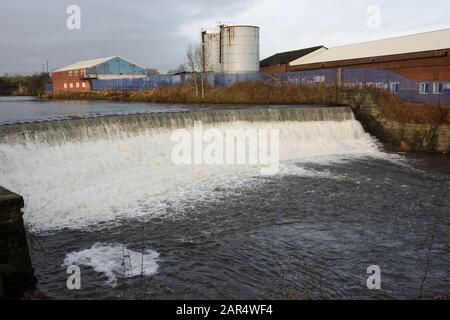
[[415, 68]]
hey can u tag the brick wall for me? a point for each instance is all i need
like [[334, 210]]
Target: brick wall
[[281, 68], [430, 65], [16, 272], [70, 81]]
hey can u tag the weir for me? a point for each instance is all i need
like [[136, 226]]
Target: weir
[[57, 132], [79, 173]]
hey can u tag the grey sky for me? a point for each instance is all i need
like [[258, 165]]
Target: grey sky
[[154, 33]]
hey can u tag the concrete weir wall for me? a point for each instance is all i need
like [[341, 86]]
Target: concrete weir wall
[[398, 136], [16, 271]]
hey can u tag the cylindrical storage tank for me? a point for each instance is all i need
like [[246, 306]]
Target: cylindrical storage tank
[[239, 49], [211, 51]]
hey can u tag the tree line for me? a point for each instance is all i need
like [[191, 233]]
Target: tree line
[[23, 85]]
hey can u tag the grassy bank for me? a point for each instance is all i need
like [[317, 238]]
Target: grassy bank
[[407, 112], [264, 94]]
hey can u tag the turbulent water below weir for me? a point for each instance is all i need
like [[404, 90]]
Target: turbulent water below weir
[[104, 194]]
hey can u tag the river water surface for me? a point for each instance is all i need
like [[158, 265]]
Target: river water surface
[[110, 202]]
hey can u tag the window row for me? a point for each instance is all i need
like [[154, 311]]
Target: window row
[[77, 85], [424, 88], [76, 72], [438, 88]]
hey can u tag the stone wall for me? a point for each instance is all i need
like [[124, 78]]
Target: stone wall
[[396, 135], [16, 272]]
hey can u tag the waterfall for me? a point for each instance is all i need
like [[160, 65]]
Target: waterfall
[[81, 173], [57, 132]]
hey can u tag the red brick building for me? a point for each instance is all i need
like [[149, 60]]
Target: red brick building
[[70, 81], [78, 77], [422, 56]]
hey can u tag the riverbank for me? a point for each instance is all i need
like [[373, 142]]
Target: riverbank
[[401, 125]]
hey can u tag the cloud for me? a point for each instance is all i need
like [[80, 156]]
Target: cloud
[[155, 33], [290, 24], [151, 33]]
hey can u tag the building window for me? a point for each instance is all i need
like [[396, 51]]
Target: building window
[[438, 88], [70, 73], [76, 73], [319, 79], [77, 84], [71, 85], [83, 84], [65, 85], [395, 87], [424, 88]]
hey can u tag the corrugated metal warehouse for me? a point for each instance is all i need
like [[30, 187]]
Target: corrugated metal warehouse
[[78, 77], [422, 56], [414, 67]]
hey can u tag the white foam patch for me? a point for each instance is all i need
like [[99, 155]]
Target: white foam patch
[[79, 185], [115, 262]]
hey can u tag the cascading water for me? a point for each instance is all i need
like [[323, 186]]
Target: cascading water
[[78, 173], [105, 194]]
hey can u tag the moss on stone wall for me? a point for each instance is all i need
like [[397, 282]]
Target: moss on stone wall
[[414, 135]]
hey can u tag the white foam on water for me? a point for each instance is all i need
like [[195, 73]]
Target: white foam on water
[[115, 261], [77, 185]]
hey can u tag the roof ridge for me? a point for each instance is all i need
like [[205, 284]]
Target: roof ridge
[[392, 38], [283, 57], [418, 42], [82, 64]]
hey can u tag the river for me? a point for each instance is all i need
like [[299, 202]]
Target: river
[[101, 193]]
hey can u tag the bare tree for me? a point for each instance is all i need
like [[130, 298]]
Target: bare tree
[[199, 51], [197, 59], [192, 63], [203, 64]]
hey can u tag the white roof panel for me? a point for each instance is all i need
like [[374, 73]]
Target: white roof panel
[[85, 64], [435, 40], [92, 63]]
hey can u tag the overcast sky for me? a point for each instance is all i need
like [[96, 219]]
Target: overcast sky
[[154, 33]]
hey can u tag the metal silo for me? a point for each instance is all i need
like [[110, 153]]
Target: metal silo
[[239, 48], [211, 50]]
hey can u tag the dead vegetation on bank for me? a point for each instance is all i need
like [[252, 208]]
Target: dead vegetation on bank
[[240, 93], [266, 94], [407, 112]]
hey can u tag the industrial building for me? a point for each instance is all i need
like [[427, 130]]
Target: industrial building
[[414, 67], [279, 62], [78, 77], [422, 56], [231, 49]]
